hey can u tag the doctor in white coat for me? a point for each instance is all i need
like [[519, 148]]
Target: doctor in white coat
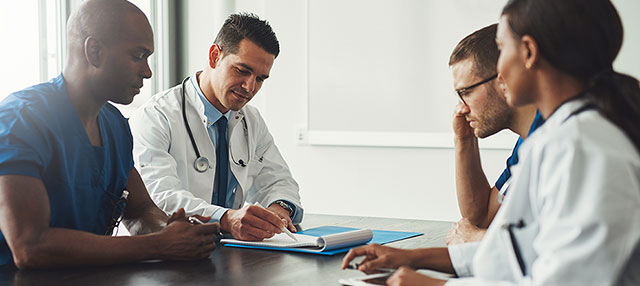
[[573, 211], [182, 135]]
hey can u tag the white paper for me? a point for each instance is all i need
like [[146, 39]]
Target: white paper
[[327, 242]]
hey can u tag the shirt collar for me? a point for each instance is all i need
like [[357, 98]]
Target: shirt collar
[[210, 111], [564, 112], [537, 122]]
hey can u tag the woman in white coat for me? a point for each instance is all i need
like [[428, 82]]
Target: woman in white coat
[[573, 214]]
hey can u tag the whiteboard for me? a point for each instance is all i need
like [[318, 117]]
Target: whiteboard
[[382, 66], [378, 69]]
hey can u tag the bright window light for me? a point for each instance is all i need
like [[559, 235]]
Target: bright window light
[[20, 49]]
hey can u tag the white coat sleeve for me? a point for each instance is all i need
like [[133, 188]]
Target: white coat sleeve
[[462, 257], [274, 180], [588, 211], [152, 138]]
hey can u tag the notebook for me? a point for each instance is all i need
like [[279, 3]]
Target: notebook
[[324, 240], [311, 243]]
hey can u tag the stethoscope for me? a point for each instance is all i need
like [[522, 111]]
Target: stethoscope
[[201, 164]]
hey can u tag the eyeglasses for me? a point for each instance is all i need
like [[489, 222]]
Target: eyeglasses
[[116, 215], [462, 91]]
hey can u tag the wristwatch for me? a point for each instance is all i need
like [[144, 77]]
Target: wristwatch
[[285, 206]]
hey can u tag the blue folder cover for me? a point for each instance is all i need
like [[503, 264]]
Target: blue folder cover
[[379, 237]]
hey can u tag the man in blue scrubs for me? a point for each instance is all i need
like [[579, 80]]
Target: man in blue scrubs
[[66, 164], [482, 112]]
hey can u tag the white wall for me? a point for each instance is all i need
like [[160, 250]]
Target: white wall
[[388, 182], [370, 181]]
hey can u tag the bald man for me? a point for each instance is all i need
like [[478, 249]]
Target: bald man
[[66, 166]]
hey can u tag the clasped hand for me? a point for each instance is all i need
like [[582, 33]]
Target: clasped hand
[[185, 241]]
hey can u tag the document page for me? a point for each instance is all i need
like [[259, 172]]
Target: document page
[[281, 240], [317, 244]]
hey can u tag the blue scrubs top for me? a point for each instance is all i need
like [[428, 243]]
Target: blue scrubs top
[[513, 159], [41, 136]]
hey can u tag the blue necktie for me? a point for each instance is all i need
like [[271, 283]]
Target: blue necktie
[[222, 162]]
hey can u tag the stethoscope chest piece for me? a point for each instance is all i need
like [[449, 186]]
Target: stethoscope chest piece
[[201, 164]]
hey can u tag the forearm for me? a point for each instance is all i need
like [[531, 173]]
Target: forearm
[[150, 220], [59, 247], [473, 189], [142, 215], [432, 258]]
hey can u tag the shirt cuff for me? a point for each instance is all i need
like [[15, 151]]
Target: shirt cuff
[[462, 257], [217, 214]]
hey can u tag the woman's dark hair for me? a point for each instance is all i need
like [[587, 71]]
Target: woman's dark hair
[[583, 38], [247, 26]]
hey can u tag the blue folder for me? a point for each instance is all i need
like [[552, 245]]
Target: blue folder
[[379, 237]]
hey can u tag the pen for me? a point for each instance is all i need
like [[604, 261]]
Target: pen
[[516, 250], [195, 220], [355, 266], [284, 228]]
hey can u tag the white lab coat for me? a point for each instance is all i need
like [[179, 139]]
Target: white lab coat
[[164, 156], [577, 189]]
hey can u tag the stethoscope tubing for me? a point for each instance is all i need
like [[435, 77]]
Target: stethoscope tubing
[[201, 164]]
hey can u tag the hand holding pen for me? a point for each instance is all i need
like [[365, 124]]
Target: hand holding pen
[[252, 223], [284, 228]]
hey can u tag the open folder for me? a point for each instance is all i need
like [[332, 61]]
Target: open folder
[[325, 240]]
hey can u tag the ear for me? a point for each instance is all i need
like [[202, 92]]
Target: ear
[[501, 87], [500, 84], [530, 52], [93, 51], [215, 54]]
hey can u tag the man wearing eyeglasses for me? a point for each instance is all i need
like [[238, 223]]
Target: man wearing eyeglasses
[[481, 112], [66, 164]]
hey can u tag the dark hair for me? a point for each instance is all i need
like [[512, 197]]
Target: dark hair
[[481, 47], [583, 38], [245, 25]]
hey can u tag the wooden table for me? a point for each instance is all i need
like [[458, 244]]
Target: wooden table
[[237, 266]]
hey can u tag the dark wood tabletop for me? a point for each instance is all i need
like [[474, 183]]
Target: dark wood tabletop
[[237, 266]]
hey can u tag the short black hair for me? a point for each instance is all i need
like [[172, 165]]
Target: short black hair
[[481, 47], [247, 26]]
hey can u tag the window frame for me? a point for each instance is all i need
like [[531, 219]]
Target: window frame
[[52, 39]]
